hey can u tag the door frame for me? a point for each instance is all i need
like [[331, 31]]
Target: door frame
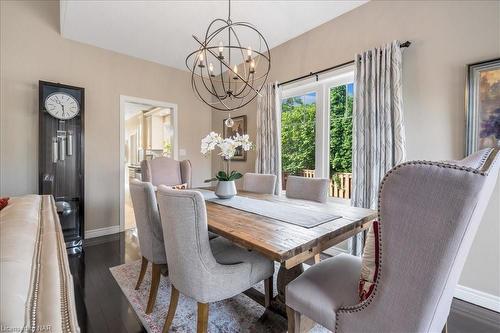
[[131, 99]]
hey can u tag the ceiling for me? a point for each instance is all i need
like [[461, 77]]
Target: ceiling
[[161, 31], [132, 109]]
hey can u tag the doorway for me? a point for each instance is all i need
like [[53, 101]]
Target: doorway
[[148, 129]]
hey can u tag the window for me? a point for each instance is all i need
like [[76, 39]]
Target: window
[[298, 134], [340, 154], [316, 130]]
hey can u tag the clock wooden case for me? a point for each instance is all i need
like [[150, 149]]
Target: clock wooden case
[[61, 155]]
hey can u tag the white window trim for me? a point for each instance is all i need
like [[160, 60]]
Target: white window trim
[[322, 88]]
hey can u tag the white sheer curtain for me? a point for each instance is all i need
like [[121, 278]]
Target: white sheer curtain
[[268, 141], [378, 142]]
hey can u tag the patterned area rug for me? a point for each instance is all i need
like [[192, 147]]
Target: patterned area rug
[[237, 314]]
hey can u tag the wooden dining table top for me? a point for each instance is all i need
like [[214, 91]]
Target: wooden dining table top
[[284, 242]]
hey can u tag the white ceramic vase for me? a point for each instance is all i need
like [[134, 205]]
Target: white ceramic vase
[[225, 189]]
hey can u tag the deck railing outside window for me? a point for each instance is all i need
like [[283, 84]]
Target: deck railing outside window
[[340, 184]]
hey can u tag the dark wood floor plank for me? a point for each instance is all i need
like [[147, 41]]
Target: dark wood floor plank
[[106, 309]]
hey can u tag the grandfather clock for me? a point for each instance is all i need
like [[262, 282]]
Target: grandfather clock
[[61, 159]]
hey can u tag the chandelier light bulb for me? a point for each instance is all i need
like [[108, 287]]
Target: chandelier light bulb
[[221, 49], [200, 58], [252, 66], [235, 70], [249, 54], [211, 69]]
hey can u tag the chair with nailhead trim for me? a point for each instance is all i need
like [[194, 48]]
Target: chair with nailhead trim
[[429, 213]]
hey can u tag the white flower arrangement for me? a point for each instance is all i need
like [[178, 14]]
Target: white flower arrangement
[[227, 148]]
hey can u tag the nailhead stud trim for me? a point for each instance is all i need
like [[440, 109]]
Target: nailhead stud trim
[[33, 325], [63, 274], [33, 301], [363, 305]]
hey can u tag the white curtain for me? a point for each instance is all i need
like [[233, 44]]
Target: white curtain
[[268, 142], [378, 131]]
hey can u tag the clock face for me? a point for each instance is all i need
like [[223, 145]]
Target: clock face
[[62, 106]]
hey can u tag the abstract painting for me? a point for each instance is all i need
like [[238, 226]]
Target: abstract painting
[[483, 105]]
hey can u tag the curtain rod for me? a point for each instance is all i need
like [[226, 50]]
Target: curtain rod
[[405, 44]]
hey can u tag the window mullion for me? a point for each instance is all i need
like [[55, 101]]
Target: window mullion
[[326, 101], [322, 133]]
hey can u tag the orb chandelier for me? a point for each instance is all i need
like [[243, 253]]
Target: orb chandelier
[[230, 66]]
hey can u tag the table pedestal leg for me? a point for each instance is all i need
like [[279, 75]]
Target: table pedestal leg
[[278, 304], [285, 276]]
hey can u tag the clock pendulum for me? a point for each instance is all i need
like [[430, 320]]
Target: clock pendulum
[[64, 143]]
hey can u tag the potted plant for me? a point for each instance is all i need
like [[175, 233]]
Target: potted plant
[[226, 188]]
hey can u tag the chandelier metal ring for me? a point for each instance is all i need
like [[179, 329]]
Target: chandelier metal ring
[[239, 73]]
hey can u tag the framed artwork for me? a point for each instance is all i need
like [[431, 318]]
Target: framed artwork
[[240, 127], [482, 98]]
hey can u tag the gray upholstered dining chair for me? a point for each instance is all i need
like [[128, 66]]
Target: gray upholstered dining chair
[[312, 189], [207, 271], [259, 183], [150, 234], [429, 213], [166, 171]]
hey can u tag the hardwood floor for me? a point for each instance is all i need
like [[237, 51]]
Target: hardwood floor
[[102, 307]]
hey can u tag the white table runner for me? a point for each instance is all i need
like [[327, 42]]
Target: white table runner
[[285, 212]]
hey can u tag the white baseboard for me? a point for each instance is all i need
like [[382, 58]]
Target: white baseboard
[[477, 297], [102, 231]]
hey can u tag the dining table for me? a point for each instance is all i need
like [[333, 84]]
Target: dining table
[[286, 243]]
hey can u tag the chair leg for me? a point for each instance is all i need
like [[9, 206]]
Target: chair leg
[[155, 281], [174, 298], [445, 328], [291, 314], [317, 258], [298, 323], [268, 289], [202, 326], [144, 267]]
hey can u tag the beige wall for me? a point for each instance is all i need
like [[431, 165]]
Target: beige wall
[[446, 36], [31, 50]]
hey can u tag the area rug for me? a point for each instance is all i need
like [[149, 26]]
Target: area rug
[[237, 314]]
